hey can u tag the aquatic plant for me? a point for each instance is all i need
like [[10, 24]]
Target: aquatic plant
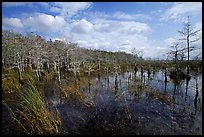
[[71, 92], [178, 76]]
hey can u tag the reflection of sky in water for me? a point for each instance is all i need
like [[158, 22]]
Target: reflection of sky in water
[[158, 83], [110, 103]]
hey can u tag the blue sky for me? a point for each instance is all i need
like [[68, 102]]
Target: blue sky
[[111, 26]]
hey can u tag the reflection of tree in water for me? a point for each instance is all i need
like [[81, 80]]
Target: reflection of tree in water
[[153, 71], [187, 82], [148, 73], [89, 83], [177, 85], [116, 85], [142, 71], [196, 96], [195, 72], [135, 70], [165, 80]]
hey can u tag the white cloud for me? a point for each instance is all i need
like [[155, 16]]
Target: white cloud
[[132, 27], [15, 23], [83, 26], [169, 41], [109, 35], [125, 16], [43, 22], [116, 16], [179, 10], [69, 9], [121, 15], [66, 9], [123, 27]]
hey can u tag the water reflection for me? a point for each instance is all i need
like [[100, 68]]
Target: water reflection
[[135, 70], [187, 82], [165, 80], [142, 71], [196, 97], [125, 102], [116, 85], [89, 83]]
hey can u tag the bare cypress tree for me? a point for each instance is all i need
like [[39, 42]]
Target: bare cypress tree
[[187, 33], [176, 53]]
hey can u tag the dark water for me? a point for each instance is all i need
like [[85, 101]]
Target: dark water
[[122, 104]]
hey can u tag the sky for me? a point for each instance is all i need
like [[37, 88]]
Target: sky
[[151, 27]]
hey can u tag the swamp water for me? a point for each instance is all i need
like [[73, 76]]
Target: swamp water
[[134, 104]]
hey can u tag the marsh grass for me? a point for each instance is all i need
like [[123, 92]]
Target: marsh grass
[[10, 82], [28, 109], [71, 92], [34, 113], [162, 97]]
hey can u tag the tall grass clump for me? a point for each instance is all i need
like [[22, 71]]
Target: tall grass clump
[[32, 112], [35, 114]]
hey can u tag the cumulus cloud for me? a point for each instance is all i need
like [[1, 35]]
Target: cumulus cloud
[[14, 23], [132, 28], [83, 26], [181, 9], [109, 35], [124, 27], [45, 22]]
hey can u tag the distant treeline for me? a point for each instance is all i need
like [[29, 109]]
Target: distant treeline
[[35, 52]]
